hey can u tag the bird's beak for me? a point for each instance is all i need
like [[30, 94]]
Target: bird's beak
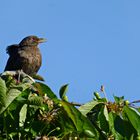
[[41, 40]]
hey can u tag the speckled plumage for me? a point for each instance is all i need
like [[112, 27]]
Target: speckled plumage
[[25, 56]]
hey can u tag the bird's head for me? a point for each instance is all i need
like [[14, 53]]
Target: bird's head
[[31, 41]]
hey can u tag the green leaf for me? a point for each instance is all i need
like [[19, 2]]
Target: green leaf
[[44, 89], [21, 86], [35, 100], [66, 124], [104, 119], [86, 108], [138, 109], [22, 115], [120, 127], [82, 124], [2, 93], [118, 99], [113, 121], [11, 95], [19, 101], [134, 117], [63, 90]]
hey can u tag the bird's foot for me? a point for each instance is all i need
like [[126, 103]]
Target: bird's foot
[[25, 77]]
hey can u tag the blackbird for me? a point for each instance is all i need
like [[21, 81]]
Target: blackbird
[[25, 56]]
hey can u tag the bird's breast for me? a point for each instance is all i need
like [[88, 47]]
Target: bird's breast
[[31, 59]]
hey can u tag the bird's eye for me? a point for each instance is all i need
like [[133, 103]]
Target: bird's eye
[[32, 39]]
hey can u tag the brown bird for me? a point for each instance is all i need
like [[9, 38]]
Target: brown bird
[[25, 56]]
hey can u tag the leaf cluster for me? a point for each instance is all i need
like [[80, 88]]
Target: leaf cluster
[[31, 110]]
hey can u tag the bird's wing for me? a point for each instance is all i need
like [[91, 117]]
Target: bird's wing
[[12, 64]]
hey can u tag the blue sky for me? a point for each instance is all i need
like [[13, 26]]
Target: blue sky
[[90, 43]]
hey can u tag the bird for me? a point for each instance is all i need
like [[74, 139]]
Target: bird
[[25, 56]]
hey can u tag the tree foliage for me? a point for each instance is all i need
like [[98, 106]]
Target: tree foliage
[[31, 110]]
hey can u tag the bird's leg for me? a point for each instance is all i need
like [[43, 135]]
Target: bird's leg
[[19, 72], [22, 74]]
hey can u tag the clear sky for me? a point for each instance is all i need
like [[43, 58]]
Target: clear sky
[[90, 43]]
